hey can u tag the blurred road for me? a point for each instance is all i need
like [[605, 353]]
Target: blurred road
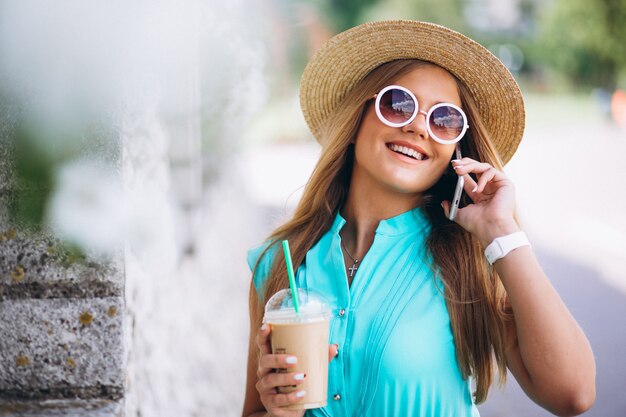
[[570, 191]]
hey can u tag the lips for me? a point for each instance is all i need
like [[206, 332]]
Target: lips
[[408, 150]]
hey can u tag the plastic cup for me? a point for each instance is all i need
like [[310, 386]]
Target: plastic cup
[[304, 335]]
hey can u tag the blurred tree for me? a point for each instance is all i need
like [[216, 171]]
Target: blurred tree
[[34, 171], [480, 19], [345, 14], [444, 12], [586, 40]]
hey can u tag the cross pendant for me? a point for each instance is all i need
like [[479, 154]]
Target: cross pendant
[[353, 269]]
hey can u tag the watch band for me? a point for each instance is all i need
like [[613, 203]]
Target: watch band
[[504, 244]]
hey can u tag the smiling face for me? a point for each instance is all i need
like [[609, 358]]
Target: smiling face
[[406, 159]]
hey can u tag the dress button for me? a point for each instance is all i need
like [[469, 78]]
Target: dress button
[[336, 397], [342, 312]]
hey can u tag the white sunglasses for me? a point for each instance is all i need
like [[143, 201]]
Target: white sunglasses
[[396, 106]]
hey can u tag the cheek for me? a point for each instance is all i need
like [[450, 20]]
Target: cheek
[[365, 129], [444, 151], [437, 173], [360, 145], [443, 165], [365, 142], [445, 154]]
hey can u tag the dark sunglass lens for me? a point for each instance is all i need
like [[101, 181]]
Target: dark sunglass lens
[[446, 122], [397, 106]]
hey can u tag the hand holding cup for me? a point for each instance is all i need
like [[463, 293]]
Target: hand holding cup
[[270, 381]]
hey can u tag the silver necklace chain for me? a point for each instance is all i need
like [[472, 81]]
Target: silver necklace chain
[[353, 268]]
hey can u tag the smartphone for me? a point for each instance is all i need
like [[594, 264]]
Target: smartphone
[[458, 190]]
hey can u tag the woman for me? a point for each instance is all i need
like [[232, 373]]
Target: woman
[[423, 305]]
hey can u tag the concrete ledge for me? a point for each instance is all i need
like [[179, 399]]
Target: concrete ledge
[[62, 393], [62, 408], [69, 347], [38, 266], [89, 289]]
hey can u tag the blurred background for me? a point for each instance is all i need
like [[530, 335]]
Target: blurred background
[[169, 135]]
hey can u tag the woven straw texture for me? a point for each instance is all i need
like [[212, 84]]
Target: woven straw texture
[[349, 56]]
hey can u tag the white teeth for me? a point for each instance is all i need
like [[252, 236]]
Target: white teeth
[[407, 151]]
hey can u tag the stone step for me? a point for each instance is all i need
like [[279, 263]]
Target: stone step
[[61, 348], [35, 265], [63, 408]]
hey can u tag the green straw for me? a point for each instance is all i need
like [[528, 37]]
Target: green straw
[[292, 279]]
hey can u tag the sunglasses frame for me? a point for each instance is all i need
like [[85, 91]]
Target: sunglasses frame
[[417, 111]]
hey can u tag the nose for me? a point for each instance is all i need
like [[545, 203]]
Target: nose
[[418, 126]]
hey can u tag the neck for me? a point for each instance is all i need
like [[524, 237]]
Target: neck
[[366, 205]]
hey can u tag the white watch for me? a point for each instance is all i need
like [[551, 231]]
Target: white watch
[[505, 244]]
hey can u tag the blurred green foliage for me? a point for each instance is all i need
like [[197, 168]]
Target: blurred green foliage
[[345, 14], [444, 12], [41, 149], [585, 40], [580, 42], [34, 173], [340, 15]]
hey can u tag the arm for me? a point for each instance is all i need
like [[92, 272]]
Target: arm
[[547, 352]]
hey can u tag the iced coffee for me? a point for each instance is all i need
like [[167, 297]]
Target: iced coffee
[[305, 335]]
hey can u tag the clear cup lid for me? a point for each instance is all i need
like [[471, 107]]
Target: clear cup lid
[[311, 307]]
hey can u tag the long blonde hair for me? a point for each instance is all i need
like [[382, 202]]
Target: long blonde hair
[[474, 294]]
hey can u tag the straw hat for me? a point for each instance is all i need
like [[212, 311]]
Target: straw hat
[[349, 56]]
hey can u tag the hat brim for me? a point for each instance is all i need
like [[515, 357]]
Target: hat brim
[[349, 56]]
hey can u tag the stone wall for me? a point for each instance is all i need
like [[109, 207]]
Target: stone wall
[[61, 310], [116, 302]]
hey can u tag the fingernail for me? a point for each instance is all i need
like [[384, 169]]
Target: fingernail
[[475, 188], [457, 166], [300, 394], [299, 377], [291, 360], [456, 160], [264, 327]]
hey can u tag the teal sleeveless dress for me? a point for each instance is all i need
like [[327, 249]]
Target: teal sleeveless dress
[[396, 349]]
